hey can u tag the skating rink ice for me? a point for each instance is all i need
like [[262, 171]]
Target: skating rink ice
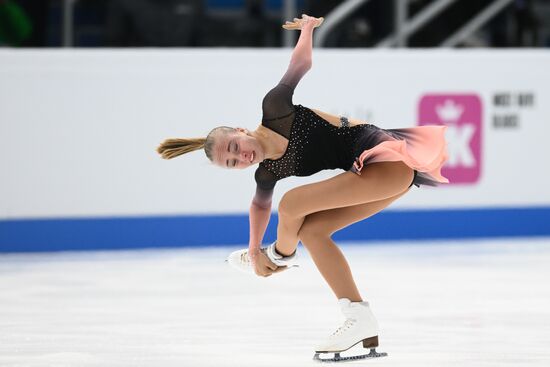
[[474, 303]]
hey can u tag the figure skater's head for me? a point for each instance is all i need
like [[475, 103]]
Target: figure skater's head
[[225, 146]]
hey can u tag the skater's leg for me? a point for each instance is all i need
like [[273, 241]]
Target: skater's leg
[[378, 181], [315, 235]]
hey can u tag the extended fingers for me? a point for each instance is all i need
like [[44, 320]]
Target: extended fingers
[[291, 25], [297, 23]]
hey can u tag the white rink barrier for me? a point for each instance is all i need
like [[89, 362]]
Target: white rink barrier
[[79, 128]]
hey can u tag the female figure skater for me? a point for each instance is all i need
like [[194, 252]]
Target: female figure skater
[[292, 140]]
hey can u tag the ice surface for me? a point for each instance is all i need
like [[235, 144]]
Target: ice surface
[[475, 303]]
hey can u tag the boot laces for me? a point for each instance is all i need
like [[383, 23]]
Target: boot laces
[[347, 324], [245, 259]]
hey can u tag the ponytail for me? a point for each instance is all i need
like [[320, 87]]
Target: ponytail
[[171, 148]]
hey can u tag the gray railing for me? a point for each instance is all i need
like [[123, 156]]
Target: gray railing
[[408, 27], [404, 27], [336, 16], [68, 22], [477, 22]]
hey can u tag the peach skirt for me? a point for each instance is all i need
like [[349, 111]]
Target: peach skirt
[[423, 148]]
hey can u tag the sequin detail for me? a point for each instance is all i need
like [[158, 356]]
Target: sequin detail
[[314, 144]]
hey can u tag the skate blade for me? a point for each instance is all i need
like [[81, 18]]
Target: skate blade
[[338, 358]]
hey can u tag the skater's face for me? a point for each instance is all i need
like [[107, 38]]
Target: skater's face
[[237, 150]]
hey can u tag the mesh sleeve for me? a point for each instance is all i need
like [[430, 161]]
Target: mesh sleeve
[[277, 103]]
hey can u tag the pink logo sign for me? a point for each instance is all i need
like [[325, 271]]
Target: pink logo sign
[[462, 114]]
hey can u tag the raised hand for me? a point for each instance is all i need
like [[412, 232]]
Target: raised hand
[[299, 23]]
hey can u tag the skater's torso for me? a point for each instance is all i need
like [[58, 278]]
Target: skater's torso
[[335, 120], [313, 140], [310, 140]]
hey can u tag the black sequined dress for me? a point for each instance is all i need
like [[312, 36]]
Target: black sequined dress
[[314, 144]]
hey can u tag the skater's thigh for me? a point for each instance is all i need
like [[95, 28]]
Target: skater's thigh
[[326, 222], [378, 182]]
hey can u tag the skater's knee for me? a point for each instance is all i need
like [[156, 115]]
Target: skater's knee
[[287, 204], [310, 233]]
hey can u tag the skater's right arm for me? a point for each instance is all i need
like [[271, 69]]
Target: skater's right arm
[[260, 209], [260, 212]]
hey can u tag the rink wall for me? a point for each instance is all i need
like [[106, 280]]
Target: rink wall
[[79, 128]]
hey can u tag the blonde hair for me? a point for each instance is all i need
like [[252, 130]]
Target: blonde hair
[[174, 147]]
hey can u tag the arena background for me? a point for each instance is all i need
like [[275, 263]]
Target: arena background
[[81, 127]]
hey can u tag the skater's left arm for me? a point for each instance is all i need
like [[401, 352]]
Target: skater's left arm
[[278, 101], [301, 60]]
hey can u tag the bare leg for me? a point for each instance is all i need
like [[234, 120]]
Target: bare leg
[[315, 235], [287, 234], [333, 266], [378, 181]]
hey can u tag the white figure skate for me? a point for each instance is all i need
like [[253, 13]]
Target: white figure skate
[[240, 260], [360, 326]]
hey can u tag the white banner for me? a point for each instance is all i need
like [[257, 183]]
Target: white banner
[[79, 128]]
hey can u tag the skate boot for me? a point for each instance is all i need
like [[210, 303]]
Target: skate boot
[[360, 326], [240, 260]]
